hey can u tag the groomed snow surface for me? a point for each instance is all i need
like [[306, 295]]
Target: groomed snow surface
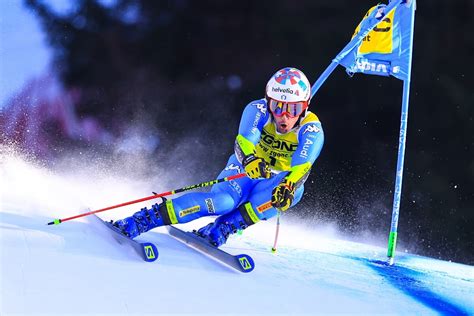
[[77, 268]]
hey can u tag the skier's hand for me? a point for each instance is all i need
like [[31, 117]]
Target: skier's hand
[[283, 195], [256, 167]]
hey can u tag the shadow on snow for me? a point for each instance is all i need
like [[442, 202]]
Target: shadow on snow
[[411, 283]]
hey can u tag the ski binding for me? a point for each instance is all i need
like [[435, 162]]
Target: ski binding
[[146, 250]]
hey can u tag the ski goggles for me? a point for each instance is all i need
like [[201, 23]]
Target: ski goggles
[[293, 109]]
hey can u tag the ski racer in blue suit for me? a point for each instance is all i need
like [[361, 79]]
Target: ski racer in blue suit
[[279, 140]]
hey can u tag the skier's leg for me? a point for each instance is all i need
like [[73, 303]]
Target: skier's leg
[[223, 198], [183, 209], [257, 208]]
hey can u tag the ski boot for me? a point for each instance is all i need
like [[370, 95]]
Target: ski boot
[[142, 221], [217, 233]]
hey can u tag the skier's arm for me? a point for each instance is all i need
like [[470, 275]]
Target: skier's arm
[[311, 140], [251, 124]]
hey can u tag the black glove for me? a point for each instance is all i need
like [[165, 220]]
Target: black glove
[[256, 167], [283, 195]]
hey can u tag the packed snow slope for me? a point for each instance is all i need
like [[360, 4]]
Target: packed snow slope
[[77, 267]]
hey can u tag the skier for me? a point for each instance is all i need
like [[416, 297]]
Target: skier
[[278, 141]]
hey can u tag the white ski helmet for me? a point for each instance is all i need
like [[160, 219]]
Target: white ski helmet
[[288, 90]]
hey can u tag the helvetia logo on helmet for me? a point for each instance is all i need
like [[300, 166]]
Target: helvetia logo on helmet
[[286, 90]]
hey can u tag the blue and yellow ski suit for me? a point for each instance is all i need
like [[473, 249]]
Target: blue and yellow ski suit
[[289, 155]]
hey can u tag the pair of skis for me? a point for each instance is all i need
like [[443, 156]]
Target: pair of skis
[[149, 253]]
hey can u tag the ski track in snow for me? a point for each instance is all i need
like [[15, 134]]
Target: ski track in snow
[[78, 268]]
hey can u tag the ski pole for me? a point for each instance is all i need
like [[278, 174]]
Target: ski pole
[[154, 196], [274, 248]]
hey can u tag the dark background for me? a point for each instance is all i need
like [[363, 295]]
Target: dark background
[[188, 68]]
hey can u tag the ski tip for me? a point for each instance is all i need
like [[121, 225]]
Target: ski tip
[[55, 222], [150, 252], [246, 263]]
